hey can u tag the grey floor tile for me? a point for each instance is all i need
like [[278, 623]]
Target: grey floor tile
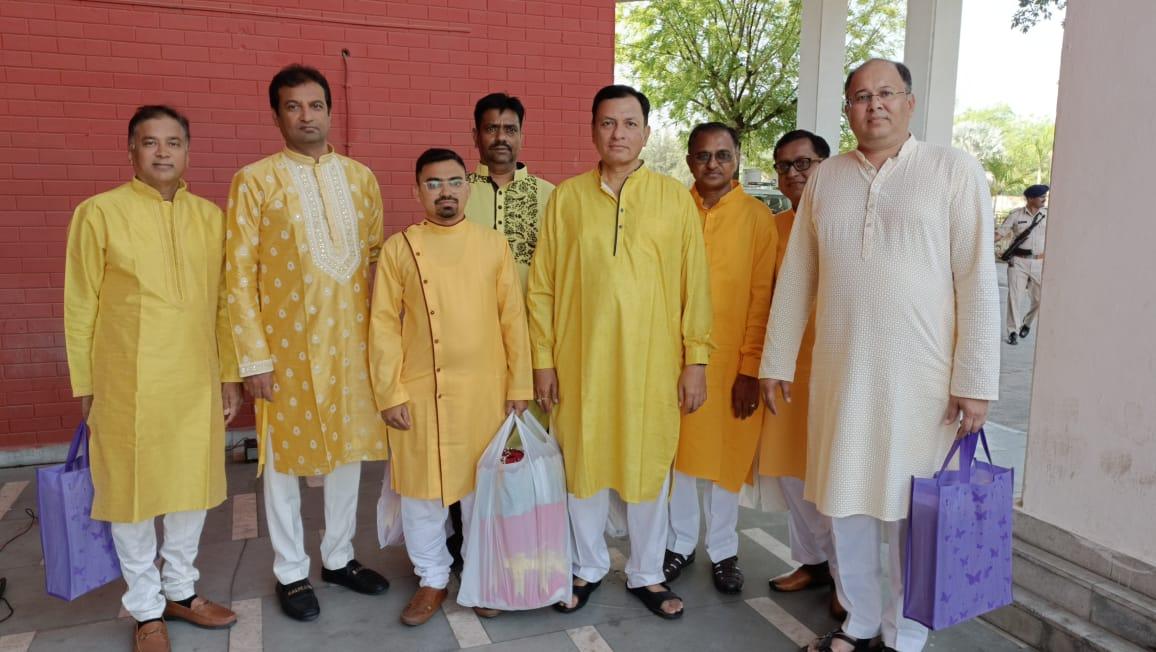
[[725, 628], [36, 610], [24, 549], [556, 642]]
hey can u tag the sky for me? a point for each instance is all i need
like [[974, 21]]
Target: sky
[[998, 64]]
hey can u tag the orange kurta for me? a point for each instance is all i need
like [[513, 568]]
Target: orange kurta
[[741, 247], [448, 338], [784, 442]]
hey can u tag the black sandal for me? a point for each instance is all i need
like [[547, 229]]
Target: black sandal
[[582, 593], [823, 644], [673, 563], [653, 600]]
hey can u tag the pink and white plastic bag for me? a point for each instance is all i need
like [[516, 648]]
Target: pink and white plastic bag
[[517, 554]]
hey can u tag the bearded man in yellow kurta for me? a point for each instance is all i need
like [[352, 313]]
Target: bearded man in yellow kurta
[[450, 358], [718, 442], [304, 226], [150, 356], [619, 304]]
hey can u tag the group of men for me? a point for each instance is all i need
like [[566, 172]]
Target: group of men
[[630, 311]]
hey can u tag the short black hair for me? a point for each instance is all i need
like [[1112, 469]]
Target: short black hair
[[617, 91], [904, 73], [818, 143], [154, 111], [707, 127], [435, 155], [294, 75], [500, 102]]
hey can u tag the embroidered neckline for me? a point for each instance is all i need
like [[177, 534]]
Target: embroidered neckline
[[340, 257]]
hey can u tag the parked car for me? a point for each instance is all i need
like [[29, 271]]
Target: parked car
[[769, 194]]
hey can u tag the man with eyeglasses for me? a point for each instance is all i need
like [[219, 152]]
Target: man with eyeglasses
[[304, 226], [892, 245], [504, 196], [783, 452], [450, 359], [718, 441], [620, 318]]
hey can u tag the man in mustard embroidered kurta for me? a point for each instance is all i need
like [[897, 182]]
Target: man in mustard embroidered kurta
[[718, 442], [304, 226], [450, 356], [504, 196], [619, 304], [148, 350]]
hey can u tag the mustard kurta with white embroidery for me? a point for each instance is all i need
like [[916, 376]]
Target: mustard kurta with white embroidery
[[148, 338], [741, 244], [619, 301], [301, 236], [448, 338]]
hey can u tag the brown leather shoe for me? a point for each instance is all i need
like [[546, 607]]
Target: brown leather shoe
[[836, 608], [202, 613], [484, 612], [423, 605], [804, 577], [152, 637]]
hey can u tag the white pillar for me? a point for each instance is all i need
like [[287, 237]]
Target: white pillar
[[821, 51], [931, 50]]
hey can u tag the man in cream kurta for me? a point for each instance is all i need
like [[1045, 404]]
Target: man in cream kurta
[[619, 304], [304, 226], [1025, 270], [783, 452], [451, 357], [718, 442], [151, 358], [893, 245]]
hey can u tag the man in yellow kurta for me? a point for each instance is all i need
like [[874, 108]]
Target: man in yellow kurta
[[718, 442], [150, 356], [619, 305], [450, 358], [783, 453], [304, 225]]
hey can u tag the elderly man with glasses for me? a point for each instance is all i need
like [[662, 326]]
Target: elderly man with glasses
[[718, 441], [892, 248]]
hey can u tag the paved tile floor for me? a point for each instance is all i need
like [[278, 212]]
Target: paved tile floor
[[235, 564]]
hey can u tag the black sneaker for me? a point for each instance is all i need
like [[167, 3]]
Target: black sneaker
[[298, 600], [356, 577]]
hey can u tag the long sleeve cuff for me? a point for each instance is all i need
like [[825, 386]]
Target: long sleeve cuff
[[543, 358], [696, 354], [255, 368], [749, 366]]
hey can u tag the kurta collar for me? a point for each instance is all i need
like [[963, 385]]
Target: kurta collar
[[434, 228], [520, 171], [906, 149], [142, 188], [298, 157], [735, 191], [641, 170]]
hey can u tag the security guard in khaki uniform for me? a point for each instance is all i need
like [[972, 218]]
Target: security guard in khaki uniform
[[1025, 268]]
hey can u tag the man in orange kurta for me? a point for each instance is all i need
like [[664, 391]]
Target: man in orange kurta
[[450, 358], [783, 453], [719, 441]]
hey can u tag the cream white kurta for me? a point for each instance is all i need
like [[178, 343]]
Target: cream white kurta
[[899, 265]]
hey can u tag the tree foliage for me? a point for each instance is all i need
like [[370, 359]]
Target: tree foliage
[[737, 61], [1015, 151], [1031, 12]]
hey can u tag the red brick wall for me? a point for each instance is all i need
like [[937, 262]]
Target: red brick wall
[[73, 71]]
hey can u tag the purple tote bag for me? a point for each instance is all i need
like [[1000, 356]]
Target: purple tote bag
[[959, 540], [78, 552]]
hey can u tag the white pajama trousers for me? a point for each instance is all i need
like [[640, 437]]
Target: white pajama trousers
[[810, 531], [423, 522], [646, 525], [136, 548], [283, 515], [858, 546], [722, 519]]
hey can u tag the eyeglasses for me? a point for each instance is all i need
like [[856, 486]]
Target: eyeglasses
[[801, 164], [885, 96], [723, 156], [435, 184]]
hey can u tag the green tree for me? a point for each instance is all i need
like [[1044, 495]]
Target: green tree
[[1015, 151], [1031, 12], [737, 61]]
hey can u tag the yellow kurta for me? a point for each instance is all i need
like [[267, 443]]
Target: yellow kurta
[[783, 451], [301, 237], [741, 245], [148, 337], [448, 337], [619, 301], [514, 210]]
